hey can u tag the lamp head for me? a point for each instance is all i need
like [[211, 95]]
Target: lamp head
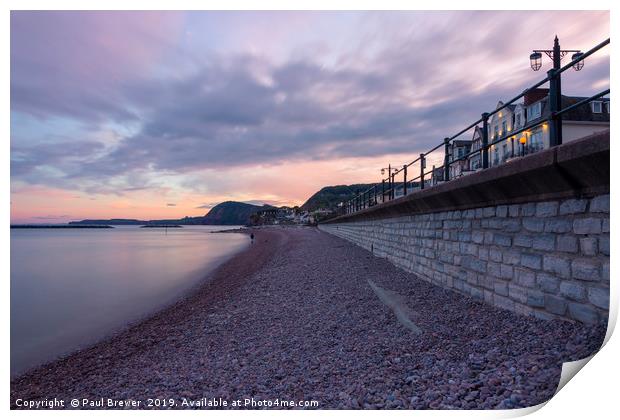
[[536, 61]]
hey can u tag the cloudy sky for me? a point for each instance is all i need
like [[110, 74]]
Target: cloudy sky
[[153, 115]]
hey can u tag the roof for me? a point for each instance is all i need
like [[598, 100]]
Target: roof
[[461, 143], [581, 113]]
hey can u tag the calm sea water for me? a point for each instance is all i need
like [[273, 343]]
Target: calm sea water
[[71, 287]]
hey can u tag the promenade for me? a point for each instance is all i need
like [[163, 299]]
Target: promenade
[[304, 316]]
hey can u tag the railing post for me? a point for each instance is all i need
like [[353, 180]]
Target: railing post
[[422, 167], [485, 140], [383, 190], [555, 122], [392, 190], [446, 159], [404, 180]]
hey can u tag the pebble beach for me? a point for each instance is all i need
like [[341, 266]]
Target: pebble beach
[[301, 315]]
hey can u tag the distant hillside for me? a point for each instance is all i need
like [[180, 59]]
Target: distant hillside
[[109, 222], [226, 213], [329, 197], [232, 213]]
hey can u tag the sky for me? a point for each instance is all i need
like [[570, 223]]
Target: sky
[[165, 114]]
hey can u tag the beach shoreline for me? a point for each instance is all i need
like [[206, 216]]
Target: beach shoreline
[[294, 317]]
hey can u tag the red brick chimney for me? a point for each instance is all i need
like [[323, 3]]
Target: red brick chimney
[[535, 95]]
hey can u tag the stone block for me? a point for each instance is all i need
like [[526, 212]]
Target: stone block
[[605, 227], [557, 265], [547, 282], [517, 293], [511, 256], [488, 212], [588, 246], [533, 261], [501, 211], [600, 204], [583, 312], [536, 298], [501, 287], [587, 226], [558, 225], [573, 290], [567, 243], [599, 297], [525, 278], [605, 271], [533, 224], [474, 263], [495, 254], [502, 240], [506, 271], [556, 305], [528, 209], [477, 236], [523, 240], [493, 269], [603, 245], [513, 210], [586, 269], [573, 206], [544, 242], [547, 209]]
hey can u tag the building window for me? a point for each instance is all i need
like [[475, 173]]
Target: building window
[[535, 111], [536, 140], [518, 120], [597, 107], [607, 106], [496, 133], [504, 127]]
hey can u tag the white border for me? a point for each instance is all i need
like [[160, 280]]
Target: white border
[[591, 395]]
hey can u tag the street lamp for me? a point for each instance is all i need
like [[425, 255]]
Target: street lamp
[[555, 84], [578, 65], [536, 61], [523, 140], [556, 55], [391, 171]]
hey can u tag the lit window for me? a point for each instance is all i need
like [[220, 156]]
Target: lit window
[[597, 107]]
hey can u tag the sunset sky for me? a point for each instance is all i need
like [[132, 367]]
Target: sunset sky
[[165, 114]]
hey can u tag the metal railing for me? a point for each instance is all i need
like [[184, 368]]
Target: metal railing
[[389, 188]]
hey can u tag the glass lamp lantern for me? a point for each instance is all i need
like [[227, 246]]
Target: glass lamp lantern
[[536, 61]]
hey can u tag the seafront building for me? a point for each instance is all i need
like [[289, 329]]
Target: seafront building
[[588, 119]]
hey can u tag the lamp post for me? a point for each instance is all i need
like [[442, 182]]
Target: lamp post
[[522, 141], [555, 83], [390, 172]]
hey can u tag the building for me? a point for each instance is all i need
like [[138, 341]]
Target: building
[[577, 123], [582, 121], [474, 161], [500, 124], [460, 163]]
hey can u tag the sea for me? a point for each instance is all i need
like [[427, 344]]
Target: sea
[[72, 287]]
